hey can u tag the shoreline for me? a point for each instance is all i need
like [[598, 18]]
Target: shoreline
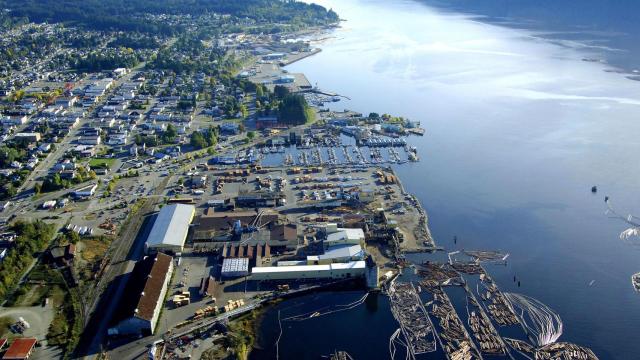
[[422, 231]]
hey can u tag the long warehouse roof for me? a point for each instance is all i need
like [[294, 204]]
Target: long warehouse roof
[[302, 268], [171, 225]]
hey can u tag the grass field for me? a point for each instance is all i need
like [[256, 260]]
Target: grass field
[[93, 249], [5, 323], [101, 163]]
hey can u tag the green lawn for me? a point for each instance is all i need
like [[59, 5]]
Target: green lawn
[[101, 163]]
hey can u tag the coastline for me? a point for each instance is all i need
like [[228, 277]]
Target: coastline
[[421, 231]]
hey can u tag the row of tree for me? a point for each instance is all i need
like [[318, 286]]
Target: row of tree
[[32, 238], [203, 139]]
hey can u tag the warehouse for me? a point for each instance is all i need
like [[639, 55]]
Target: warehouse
[[336, 254], [351, 269], [343, 236], [147, 286], [170, 229]]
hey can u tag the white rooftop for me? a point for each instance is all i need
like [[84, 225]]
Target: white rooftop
[[346, 234], [303, 268], [171, 225], [342, 251], [232, 265]]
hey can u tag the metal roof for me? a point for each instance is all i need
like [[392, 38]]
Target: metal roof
[[342, 252], [303, 268], [235, 265], [20, 348], [346, 234], [171, 225]]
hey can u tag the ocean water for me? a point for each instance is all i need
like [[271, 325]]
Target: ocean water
[[519, 127]]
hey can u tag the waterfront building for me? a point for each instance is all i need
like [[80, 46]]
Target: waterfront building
[[353, 269]]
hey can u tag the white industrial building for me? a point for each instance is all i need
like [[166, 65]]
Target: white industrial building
[[235, 267], [85, 191], [170, 229], [351, 269], [339, 253], [343, 236]]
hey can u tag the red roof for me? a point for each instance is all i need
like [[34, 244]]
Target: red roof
[[20, 348]]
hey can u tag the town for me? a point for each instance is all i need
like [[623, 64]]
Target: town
[[165, 180], [161, 184]]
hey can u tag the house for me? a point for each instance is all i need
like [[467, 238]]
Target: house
[[30, 137], [64, 165], [85, 191], [20, 348], [265, 122], [89, 140], [229, 128], [7, 121], [44, 148], [67, 101], [198, 181], [119, 139], [62, 255]]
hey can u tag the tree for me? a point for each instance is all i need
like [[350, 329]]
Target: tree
[[170, 134], [9, 190], [37, 188], [197, 140], [280, 91], [259, 91], [243, 110], [294, 110], [251, 135]]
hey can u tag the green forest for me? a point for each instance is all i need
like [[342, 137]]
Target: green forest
[[126, 15]]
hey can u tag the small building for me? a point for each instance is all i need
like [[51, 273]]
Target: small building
[[286, 79], [85, 191], [30, 137], [259, 198], [207, 286], [229, 128], [198, 181], [235, 267], [20, 348], [62, 255], [266, 122], [273, 56], [89, 140], [170, 229]]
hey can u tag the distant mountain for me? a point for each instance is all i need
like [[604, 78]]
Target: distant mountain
[[611, 23], [602, 14]]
